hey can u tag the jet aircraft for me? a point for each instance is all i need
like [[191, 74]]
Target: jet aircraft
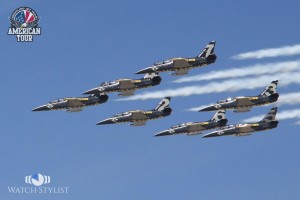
[[195, 128], [245, 103], [181, 66], [268, 122], [140, 117], [73, 104], [126, 87]]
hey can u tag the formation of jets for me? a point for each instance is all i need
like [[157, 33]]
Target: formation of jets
[[178, 66]]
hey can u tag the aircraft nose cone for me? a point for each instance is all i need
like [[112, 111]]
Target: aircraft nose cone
[[92, 91], [163, 133], [145, 71], [41, 108], [208, 108], [106, 121]]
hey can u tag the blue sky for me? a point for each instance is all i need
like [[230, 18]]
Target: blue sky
[[85, 43]]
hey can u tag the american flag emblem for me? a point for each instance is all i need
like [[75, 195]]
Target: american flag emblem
[[24, 17]]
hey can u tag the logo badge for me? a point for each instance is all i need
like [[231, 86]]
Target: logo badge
[[38, 184], [24, 24], [37, 179]]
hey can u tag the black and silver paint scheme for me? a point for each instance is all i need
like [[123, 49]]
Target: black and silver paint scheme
[[126, 87], [181, 66], [140, 117], [245, 103], [73, 104], [196, 128], [268, 122]]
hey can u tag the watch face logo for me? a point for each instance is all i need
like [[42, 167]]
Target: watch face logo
[[37, 179], [24, 24]]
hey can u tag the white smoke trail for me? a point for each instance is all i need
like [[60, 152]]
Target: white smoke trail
[[284, 99], [253, 70], [224, 86], [289, 98], [271, 52], [198, 108], [284, 115]]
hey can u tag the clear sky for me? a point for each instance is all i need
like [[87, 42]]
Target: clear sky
[[86, 42]]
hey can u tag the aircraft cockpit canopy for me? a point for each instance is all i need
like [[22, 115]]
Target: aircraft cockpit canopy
[[225, 100], [122, 114], [57, 100], [179, 125], [106, 83], [163, 62]]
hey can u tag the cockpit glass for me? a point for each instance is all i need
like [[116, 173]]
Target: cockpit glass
[[163, 62], [225, 100], [104, 83], [121, 114], [178, 125], [56, 101]]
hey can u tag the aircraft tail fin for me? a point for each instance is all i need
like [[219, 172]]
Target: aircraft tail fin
[[270, 89], [164, 103], [270, 116], [219, 115], [208, 50]]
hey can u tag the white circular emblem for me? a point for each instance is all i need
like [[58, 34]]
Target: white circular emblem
[[37, 179]]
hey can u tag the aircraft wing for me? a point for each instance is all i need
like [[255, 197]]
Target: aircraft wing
[[196, 127], [74, 109], [243, 101], [126, 84], [127, 92], [180, 63], [180, 72], [244, 128], [139, 123], [138, 115], [74, 103]]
